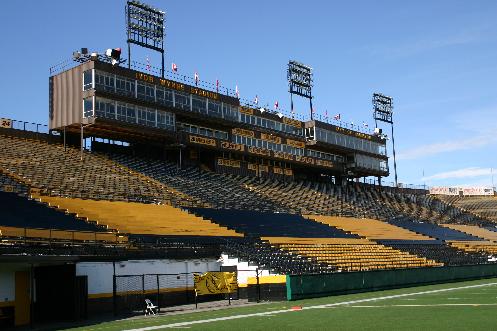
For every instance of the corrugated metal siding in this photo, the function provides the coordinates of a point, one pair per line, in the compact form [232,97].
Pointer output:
[67,97]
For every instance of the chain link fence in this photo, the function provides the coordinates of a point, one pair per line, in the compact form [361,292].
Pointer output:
[164,290]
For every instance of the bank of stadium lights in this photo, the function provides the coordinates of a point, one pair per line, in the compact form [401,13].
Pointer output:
[145,28]
[383,112]
[112,55]
[300,82]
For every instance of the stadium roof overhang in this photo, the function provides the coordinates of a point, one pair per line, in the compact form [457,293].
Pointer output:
[122,131]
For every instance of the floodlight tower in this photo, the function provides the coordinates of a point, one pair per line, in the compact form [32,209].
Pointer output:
[383,112]
[300,82]
[145,28]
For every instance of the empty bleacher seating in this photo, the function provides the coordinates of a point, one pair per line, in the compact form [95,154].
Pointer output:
[262,224]
[438,250]
[369,228]
[139,218]
[219,191]
[353,254]
[22,212]
[488,247]
[473,231]
[432,230]
[485,206]
[59,171]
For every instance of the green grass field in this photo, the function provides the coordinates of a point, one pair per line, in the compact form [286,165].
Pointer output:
[455,306]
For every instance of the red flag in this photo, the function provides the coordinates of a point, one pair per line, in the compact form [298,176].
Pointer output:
[174,67]
[276,104]
[337,117]
[148,64]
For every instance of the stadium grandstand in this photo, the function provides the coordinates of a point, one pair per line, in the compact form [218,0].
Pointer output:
[143,181]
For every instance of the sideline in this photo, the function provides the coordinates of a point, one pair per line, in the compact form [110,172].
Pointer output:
[226,318]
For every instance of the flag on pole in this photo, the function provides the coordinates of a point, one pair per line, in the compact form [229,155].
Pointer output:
[256,100]
[337,117]
[326,113]
[276,104]
[148,64]
[217,85]
[174,67]
[237,92]
[196,78]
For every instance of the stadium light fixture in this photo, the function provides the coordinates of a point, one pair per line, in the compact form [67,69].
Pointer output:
[383,112]
[114,54]
[300,82]
[145,28]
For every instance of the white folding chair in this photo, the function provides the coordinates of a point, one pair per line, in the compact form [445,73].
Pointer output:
[149,310]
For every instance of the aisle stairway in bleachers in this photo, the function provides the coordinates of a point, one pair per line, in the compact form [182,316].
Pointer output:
[262,254]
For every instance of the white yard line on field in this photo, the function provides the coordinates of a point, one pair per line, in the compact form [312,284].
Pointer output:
[328,305]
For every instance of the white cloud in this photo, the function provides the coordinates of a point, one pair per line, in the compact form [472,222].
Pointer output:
[447,146]
[460,173]
[430,42]
[477,130]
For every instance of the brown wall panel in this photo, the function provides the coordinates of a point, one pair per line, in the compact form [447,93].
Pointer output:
[67,97]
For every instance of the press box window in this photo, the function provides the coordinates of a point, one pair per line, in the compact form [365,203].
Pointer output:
[88,107]
[87,80]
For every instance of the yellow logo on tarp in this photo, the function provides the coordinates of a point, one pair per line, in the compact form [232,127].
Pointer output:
[215,283]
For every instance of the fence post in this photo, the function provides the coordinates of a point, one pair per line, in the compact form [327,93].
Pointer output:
[258,285]
[114,298]
[158,294]
[143,294]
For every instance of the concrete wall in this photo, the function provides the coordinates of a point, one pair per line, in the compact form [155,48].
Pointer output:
[100,274]
[244,270]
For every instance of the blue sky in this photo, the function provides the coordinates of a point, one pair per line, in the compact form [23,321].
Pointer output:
[438,59]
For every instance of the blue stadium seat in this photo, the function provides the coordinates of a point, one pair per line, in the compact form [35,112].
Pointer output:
[25,213]
[264,224]
[432,230]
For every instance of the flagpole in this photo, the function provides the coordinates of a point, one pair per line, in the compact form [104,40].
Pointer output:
[394,160]
[312,113]
[291,104]
[492,173]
